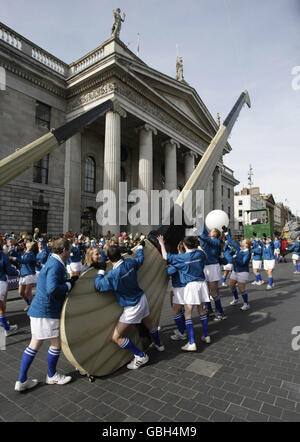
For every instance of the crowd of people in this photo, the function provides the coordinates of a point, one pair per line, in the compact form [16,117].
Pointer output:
[53,265]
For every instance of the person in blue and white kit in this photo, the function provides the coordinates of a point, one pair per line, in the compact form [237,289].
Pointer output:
[27,272]
[257,252]
[211,244]
[177,299]
[295,248]
[269,259]
[74,264]
[44,312]
[277,247]
[240,275]
[191,270]
[6,269]
[122,280]
[229,266]
[42,256]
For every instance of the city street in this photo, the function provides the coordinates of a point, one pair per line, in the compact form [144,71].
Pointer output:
[249,372]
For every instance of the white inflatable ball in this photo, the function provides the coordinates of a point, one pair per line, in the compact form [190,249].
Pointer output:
[216,219]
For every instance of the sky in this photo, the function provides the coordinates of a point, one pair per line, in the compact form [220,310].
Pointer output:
[227,46]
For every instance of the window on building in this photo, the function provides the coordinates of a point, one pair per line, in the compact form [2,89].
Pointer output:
[240,202]
[228,212]
[40,170]
[240,225]
[90,175]
[39,219]
[42,114]
[228,193]
[123,175]
[222,189]
[240,213]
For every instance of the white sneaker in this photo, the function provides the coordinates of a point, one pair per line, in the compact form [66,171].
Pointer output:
[206,339]
[189,347]
[234,302]
[158,347]
[269,287]
[137,362]
[59,379]
[29,383]
[260,282]
[254,283]
[245,307]
[13,329]
[220,318]
[224,284]
[26,308]
[177,336]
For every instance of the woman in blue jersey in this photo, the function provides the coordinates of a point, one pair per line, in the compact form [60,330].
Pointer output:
[277,247]
[229,266]
[74,264]
[42,256]
[257,252]
[190,266]
[269,259]
[240,274]
[295,248]
[6,269]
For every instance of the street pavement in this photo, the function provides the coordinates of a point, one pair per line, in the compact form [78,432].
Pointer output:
[250,371]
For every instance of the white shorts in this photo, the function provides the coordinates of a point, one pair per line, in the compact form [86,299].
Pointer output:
[196,292]
[136,313]
[228,267]
[277,252]
[29,279]
[212,272]
[256,264]
[269,264]
[178,297]
[295,257]
[3,289]
[44,328]
[240,276]
[74,267]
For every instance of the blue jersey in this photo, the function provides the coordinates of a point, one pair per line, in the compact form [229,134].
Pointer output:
[227,252]
[175,277]
[295,248]
[75,255]
[190,265]
[241,259]
[6,269]
[28,263]
[211,246]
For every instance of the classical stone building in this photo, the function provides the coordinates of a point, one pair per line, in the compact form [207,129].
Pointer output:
[152,139]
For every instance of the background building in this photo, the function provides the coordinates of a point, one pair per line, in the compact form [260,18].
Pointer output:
[153,139]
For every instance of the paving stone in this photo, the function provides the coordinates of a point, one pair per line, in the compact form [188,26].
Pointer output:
[203,367]
[285,403]
[253,404]
[234,398]
[219,416]
[271,410]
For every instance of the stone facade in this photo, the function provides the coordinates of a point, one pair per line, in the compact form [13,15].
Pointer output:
[153,138]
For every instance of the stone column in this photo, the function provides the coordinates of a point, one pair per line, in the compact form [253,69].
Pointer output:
[171,164]
[189,164]
[112,163]
[217,189]
[72,210]
[146,166]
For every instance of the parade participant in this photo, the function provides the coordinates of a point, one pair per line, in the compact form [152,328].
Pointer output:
[229,266]
[44,313]
[27,272]
[74,264]
[277,247]
[295,248]
[240,274]
[257,252]
[6,269]
[191,270]
[177,299]
[283,252]
[92,259]
[42,256]
[101,250]
[211,244]
[269,259]
[122,280]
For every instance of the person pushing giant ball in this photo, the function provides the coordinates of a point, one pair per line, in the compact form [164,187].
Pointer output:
[216,219]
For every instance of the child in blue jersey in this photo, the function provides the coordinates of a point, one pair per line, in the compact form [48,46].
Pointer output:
[240,274]
[257,252]
[177,299]
[211,244]
[295,248]
[190,266]
[277,247]
[122,280]
[229,266]
[27,272]
[6,269]
[269,259]
[74,264]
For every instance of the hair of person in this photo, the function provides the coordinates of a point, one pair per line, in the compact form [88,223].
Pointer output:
[89,256]
[191,242]
[217,232]
[59,245]
[114,254]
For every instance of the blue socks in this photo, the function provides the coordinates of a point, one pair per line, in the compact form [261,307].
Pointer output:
[130,346]
[219,305]
[28,357]
[209,307]
[27,301]
[245,297]
[224,279]
[203,319]
[180,321]
[52,359]
[155,335]
[296,267]
[4,322]
[235,293]
[190,330]
[270,280]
